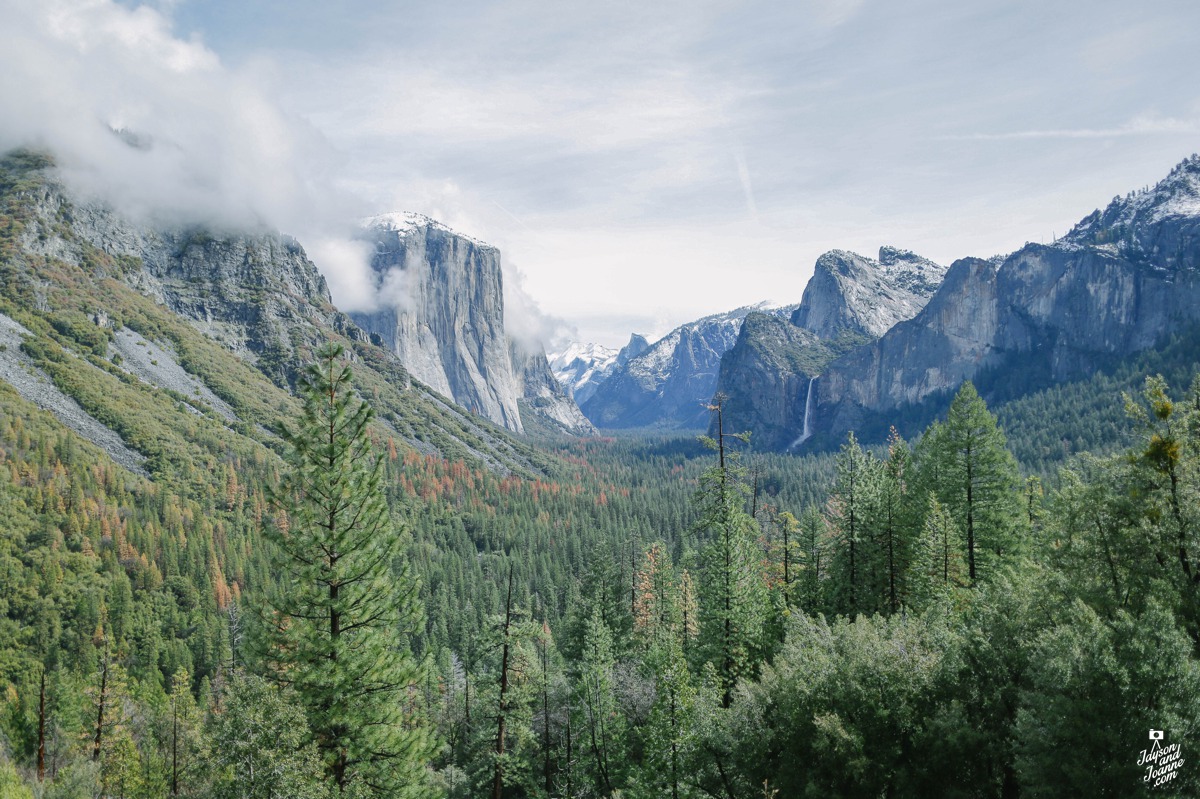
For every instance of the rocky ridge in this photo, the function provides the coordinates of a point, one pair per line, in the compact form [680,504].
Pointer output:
[1120,281]
[768,376]
[669,384]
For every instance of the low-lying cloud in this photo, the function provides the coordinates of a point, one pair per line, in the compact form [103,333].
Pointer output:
[157,126]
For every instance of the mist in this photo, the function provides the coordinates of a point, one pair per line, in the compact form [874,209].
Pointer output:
[157,127]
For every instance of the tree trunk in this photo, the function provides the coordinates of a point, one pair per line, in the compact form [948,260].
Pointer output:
[99,740]
[498,779]
[41,755]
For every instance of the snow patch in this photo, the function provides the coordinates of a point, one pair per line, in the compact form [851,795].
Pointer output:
[406,222]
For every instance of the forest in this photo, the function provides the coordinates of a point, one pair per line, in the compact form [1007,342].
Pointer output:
[642,617]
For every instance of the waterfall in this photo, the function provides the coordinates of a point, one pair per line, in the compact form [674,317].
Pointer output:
[806,432]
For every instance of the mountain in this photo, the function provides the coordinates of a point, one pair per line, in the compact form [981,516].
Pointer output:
[542,399]
[581,368]
[669,384]
[1121,281]
[441,311]
[767,377]
[168,345]
[851,293]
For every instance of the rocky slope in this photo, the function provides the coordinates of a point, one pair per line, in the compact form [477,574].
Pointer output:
[1120,281]
[849,301]
[670,384]
[441,312]
[147,326]
[542,397]
[852,293]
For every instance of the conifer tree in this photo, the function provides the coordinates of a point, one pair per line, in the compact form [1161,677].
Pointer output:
[976,479]
[852,563]
[337,618]
[893,524]
[733,594]
[813,564]
[657,615]
[937,565]
[603,725]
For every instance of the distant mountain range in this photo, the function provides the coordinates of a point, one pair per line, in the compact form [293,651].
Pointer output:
[669,384]
[871,337]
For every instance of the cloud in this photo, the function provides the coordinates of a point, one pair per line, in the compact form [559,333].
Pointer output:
[524,320]
[1139,126]
[196,141]
[353,287]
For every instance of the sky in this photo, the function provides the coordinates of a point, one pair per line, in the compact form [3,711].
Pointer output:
[638,164]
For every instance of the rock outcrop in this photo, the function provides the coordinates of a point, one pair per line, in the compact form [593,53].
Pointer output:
[1117,284]
[766,379]
[851,293]
[851,300]
[442,313]
[670,384]
[543,396]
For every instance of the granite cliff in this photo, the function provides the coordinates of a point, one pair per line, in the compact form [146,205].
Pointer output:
[768,376]
[441,311]
[1119,282]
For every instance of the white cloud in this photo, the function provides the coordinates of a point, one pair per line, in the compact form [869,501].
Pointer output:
[212,145]
[1139,126]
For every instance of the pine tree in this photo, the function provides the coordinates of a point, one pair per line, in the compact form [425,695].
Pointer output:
[893,525]
[853,561]
[937,561]
[337,617]
[968,465]
[603,725]
[733,594]
[813,565]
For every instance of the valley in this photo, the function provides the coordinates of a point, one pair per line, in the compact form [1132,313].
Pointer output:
[965,510]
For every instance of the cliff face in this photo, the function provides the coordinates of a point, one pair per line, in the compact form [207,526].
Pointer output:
[255,293]
[150,300]
[542,395]
[850,300]
[851,293]
[766,378]
[671,382]
[443,313]
[1121,280]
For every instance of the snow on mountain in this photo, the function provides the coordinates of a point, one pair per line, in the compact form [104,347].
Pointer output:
[580,364]
[405,222]
[670,384]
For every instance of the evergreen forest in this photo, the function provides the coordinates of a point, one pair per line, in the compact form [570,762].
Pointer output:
[645,618]
[296,601]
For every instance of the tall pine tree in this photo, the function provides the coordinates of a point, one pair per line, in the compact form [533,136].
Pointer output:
[337,617]
[968,466]
[733,594]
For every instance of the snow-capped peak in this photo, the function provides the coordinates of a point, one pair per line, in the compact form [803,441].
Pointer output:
[1176,195]
[405,222]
